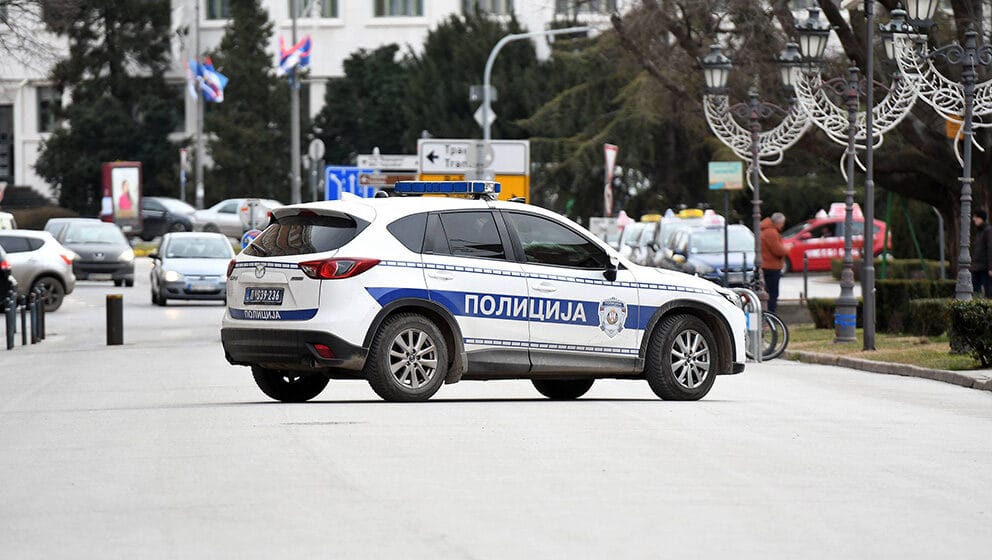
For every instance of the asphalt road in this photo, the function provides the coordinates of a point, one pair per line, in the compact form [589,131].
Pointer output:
[160,449]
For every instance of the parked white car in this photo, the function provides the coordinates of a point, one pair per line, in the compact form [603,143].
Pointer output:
[225,217]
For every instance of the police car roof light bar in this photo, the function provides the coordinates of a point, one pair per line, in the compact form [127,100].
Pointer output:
[477,188]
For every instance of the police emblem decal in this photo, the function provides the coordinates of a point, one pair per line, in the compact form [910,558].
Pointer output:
[259,270]
[612,316]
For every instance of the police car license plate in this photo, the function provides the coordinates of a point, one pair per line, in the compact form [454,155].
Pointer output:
[263,296]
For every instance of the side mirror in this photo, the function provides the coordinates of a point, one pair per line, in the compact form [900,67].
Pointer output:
[678,258]
[805,235]
[153,256]
[611,269]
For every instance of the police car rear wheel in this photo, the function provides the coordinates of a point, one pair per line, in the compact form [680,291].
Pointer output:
[287,386]
[408,360]
[681,359]
[562,389]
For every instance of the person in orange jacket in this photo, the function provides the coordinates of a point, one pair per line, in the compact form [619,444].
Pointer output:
[773,253]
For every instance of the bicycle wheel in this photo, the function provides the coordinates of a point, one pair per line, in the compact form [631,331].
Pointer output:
[781,340]
[769,338]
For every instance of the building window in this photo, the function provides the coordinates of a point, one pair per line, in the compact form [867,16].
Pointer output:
[384,8]
[305,8]
[180,93]
[575,7]
[218,9]
[49,101]
[492,7]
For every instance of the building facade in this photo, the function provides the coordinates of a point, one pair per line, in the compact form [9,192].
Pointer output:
[338,28]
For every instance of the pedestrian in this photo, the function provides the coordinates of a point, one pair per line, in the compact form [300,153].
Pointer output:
[981,259]
[773,253]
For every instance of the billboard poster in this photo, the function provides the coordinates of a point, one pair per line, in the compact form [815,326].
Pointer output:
[121,202]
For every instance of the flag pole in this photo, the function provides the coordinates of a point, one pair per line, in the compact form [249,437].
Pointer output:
[294,117]
[199,108]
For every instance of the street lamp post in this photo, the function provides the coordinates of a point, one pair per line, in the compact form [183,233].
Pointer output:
[848,129]
[751,144]
[951,99]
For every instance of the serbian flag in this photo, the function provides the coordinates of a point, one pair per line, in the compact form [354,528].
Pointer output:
[297,55]
[212,82]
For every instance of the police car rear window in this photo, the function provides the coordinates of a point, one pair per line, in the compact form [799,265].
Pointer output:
[301,235]
[409,230]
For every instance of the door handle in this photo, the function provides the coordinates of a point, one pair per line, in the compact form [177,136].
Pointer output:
[441,275]
[547,287]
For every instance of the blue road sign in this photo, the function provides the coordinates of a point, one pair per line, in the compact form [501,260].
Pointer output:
[249,236]
[341,179]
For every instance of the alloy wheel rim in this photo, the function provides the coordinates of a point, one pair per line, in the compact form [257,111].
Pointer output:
[690,359]
[413,358]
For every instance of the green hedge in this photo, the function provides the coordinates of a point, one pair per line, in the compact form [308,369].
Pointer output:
[36,218]
[971,328]
[892,299]
[928,317]
[895,269]
[822,312]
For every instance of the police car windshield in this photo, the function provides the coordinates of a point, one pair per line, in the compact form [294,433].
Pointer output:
[301,235]
[740,239]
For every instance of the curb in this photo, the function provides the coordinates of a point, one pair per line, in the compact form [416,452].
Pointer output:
[973,380]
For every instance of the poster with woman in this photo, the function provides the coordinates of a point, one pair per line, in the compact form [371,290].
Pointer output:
[122,195]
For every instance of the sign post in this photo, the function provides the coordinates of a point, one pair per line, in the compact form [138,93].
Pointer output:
[727,176]
[610,153]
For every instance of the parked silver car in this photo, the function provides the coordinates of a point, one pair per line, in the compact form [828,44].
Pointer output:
[37,260]
[190,266]
[225,217]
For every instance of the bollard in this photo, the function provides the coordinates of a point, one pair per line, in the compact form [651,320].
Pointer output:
[10,318]
[41,318]
[33,310]
[115,319]
[806,275]
[23,302]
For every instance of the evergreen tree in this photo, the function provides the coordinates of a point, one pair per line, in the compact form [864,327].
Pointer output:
[453,59]
[121,107]
[364,108]
[249,130]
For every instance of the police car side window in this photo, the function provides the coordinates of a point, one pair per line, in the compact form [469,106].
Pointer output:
[409,230]
[472,234]
[547,242]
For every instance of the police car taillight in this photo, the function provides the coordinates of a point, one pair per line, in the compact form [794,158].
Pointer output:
[335,269]
[230,268]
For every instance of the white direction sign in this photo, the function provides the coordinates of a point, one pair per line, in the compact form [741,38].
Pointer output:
[440,156]
[393,162]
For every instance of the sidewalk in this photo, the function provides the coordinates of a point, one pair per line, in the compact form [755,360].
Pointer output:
[819,284]
[980,379]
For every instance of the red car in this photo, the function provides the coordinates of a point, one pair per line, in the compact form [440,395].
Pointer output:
[822,239]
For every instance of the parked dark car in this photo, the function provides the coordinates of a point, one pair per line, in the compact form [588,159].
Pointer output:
[699,251]
[103,251]
[161,215]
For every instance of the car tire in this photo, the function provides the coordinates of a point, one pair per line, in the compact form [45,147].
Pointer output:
[671,372]
[211,228]
[177,227]
[53,292]
[408,360]
[159,298]
[289,386]
[119,282]
[129,282]
[562,389]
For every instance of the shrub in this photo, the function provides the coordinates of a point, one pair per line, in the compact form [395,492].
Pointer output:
[971,328]
[892,300]
[822,312]
[927,317]
[895,269]
[36,218]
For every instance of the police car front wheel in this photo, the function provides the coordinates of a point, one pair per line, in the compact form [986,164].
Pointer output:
[288,386]
[408,360]
[562,389]
[682,359]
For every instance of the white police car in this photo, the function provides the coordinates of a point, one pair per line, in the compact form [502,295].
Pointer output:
[412,292]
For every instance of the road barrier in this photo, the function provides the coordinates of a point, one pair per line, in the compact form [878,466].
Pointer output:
[32,308]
